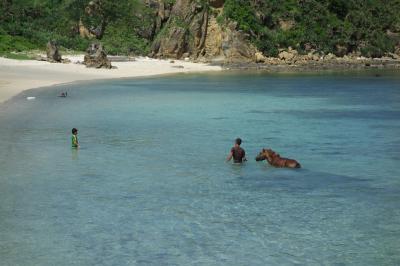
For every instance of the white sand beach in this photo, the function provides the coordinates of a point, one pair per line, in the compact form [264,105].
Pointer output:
[19,75]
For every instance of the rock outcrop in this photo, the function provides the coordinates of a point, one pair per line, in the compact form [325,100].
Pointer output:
[236,47]
[397,50]
[260,58]
[96,57]
[184,32]
[286,55]
[217,3]
[160,12]
[83,31]
[53,55]
[214,39]
[191,30]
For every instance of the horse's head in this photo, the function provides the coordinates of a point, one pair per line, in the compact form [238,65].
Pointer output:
[266,154]
[263,155]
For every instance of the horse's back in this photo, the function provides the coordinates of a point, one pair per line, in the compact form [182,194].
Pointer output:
[292,163]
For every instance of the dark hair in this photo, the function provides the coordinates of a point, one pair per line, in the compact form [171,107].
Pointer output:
[238,141]
[74,130]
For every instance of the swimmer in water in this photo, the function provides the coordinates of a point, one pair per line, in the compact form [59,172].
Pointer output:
[237,153]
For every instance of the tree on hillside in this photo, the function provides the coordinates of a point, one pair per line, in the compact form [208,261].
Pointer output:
[96,15]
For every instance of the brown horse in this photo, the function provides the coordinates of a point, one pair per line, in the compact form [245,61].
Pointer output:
[276,160]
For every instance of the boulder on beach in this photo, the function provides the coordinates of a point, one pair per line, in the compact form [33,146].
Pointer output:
[259,57]
[53,55]
[329,56]
[96,57]
[285,55]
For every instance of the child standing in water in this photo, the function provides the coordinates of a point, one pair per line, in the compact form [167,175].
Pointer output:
[74,138]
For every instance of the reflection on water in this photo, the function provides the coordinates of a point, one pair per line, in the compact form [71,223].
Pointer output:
[150,187]
[74,153]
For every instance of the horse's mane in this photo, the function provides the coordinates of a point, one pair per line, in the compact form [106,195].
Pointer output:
[273,154]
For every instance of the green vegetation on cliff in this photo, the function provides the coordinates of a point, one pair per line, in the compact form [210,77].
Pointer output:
[32,23]
[337,26]
[26,24]
[131,26]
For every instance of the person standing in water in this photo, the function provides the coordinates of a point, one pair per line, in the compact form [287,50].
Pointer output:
[237,153]
[74,138]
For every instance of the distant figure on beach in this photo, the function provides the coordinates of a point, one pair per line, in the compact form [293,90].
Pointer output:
[63,94]
[237,153]
[74,138]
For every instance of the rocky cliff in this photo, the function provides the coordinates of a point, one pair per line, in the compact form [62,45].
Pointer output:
[190,29]
[230,31]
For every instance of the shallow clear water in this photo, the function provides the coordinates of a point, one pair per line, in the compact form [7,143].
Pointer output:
[150,187]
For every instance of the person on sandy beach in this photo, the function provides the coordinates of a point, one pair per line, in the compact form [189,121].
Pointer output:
[237,153]
[74,138]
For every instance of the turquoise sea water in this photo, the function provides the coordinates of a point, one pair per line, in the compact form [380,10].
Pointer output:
[150,186]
